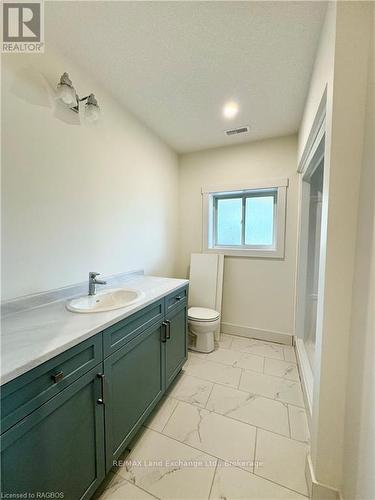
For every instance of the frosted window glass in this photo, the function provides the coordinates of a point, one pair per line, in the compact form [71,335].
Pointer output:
[229,217]
[259,220]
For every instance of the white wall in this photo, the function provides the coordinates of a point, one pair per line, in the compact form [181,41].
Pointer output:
[322,76]
[341,67]
[75,197]
[359,451]
[257,293]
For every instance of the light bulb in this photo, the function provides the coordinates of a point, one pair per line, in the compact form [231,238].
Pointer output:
[66,95]
[92,113]
[230,109]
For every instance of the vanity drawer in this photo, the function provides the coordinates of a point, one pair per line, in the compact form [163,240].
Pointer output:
[177,298]
[23,395]
[123,332]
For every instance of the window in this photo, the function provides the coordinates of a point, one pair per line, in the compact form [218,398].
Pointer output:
[245,222]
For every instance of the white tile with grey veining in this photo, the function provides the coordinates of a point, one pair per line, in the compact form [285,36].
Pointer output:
[224,356]
[289,354]
[169,469]
[250,408]
[196,354]
[277,388]
[120,489]
[298,424]
[191,389]
[233,358]
[282,460]
[159,417]
[279,368]
[251,362]
[231,483]
[225,341]
[214,372]
[252,346]
[215,434]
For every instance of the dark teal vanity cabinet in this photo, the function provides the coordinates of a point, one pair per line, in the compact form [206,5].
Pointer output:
[65,422]
[135,383]
[175,350]
[59,447]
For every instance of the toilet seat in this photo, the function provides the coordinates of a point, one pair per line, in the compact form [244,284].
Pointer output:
[202,314]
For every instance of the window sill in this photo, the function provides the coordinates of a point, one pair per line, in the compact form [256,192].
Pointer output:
[260,254]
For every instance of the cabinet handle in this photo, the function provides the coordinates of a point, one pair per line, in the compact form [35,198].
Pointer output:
[56,377]
[178,298]
[168,336]
[164,331]
[102,399]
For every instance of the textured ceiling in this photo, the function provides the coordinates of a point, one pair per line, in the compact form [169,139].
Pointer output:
[174,64]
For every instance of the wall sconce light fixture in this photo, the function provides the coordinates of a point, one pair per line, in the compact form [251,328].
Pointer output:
[67,94]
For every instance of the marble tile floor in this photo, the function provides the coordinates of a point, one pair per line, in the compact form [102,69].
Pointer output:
[232,426]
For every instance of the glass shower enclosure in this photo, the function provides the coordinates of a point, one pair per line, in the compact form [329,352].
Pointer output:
[313,258]
[310,256]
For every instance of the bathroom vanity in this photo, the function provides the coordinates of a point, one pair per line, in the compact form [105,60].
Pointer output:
[66,421]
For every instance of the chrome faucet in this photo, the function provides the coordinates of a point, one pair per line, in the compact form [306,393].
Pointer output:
[93,282]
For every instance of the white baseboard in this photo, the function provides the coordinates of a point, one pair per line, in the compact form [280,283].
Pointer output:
[257,333]
[317,490]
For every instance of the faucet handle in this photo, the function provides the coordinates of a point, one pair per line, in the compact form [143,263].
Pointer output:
[93,274]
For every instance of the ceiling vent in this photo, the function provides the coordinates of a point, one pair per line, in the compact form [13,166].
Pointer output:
[236,131]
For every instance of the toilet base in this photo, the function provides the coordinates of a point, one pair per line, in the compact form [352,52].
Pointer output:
[203,342]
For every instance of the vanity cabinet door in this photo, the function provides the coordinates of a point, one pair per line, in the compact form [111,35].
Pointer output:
[176,343]
[59,448]
[134,383]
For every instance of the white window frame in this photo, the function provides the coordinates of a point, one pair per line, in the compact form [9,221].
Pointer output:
[211,193]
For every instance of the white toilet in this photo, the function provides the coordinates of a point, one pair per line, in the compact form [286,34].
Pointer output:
[205,291]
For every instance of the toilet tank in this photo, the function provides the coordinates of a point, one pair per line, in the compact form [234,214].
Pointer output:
[206,280]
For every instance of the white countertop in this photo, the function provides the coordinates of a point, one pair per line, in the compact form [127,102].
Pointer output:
[33,336]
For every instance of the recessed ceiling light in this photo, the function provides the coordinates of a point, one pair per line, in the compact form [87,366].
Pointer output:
[230,109]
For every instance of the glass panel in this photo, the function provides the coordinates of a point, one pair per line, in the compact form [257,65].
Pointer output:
[229,217]
[313,259]
[259,220]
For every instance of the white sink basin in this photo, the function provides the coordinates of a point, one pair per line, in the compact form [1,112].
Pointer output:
[106,300]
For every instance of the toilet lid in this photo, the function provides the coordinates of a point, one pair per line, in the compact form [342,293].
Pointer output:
[202,314]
